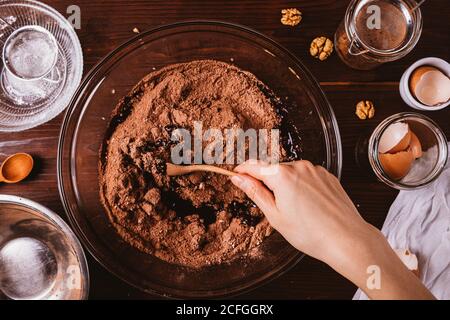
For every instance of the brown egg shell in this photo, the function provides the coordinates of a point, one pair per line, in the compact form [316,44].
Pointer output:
[397,165]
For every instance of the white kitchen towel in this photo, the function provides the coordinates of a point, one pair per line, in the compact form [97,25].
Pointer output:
[420,221]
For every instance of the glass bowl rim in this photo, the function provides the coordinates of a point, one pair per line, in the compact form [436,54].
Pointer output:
[98,256]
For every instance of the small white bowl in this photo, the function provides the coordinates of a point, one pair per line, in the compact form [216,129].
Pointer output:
[405,92]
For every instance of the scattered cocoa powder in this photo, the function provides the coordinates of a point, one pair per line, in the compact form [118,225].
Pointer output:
[195,220]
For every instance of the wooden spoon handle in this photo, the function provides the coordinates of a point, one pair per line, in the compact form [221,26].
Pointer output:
[214,169]
[176,170]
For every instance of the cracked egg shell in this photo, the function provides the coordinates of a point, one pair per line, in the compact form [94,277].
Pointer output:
[409,259]
[396,165]
[395,138]
[416,146]
[430,86]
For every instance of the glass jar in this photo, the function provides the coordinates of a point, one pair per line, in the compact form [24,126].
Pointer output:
[425,169]
[374,32]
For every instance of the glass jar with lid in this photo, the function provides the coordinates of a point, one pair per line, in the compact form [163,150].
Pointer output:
[374,32]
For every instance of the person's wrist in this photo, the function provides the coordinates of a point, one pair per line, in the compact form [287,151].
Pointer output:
[352,254]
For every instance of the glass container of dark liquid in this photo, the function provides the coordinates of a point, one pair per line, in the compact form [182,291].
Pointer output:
[374,32]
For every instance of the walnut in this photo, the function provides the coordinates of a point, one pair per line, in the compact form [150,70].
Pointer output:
[321,48]
[291,17]
[365,110]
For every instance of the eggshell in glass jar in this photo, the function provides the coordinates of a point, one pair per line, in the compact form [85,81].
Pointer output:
[397,165]
[416,146]
[395,138]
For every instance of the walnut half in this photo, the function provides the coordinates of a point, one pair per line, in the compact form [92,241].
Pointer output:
[291,17]
[321,48]
[365,110]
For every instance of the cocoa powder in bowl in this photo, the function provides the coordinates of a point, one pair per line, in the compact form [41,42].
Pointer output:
[195,220]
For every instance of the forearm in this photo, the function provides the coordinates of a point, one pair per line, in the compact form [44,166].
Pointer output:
[371,264]
[309,207]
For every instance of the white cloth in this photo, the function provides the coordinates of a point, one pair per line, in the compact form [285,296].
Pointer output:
[420,221]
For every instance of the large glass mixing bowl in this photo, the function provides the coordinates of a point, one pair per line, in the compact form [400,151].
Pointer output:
[86,123]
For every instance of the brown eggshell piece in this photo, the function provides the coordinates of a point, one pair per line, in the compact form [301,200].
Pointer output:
[417,75]
[402,145]
[416,146]
[397,165]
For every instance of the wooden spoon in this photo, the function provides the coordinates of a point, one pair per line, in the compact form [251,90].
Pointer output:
[178,170]
[16,168]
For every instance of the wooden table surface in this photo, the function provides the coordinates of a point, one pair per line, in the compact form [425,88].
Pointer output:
[107,24]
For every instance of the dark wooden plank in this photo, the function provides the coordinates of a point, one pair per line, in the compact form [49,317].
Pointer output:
[106,24]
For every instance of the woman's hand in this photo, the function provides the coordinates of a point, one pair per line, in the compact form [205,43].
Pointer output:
[309,207]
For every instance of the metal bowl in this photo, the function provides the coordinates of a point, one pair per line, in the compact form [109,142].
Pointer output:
[40,257]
